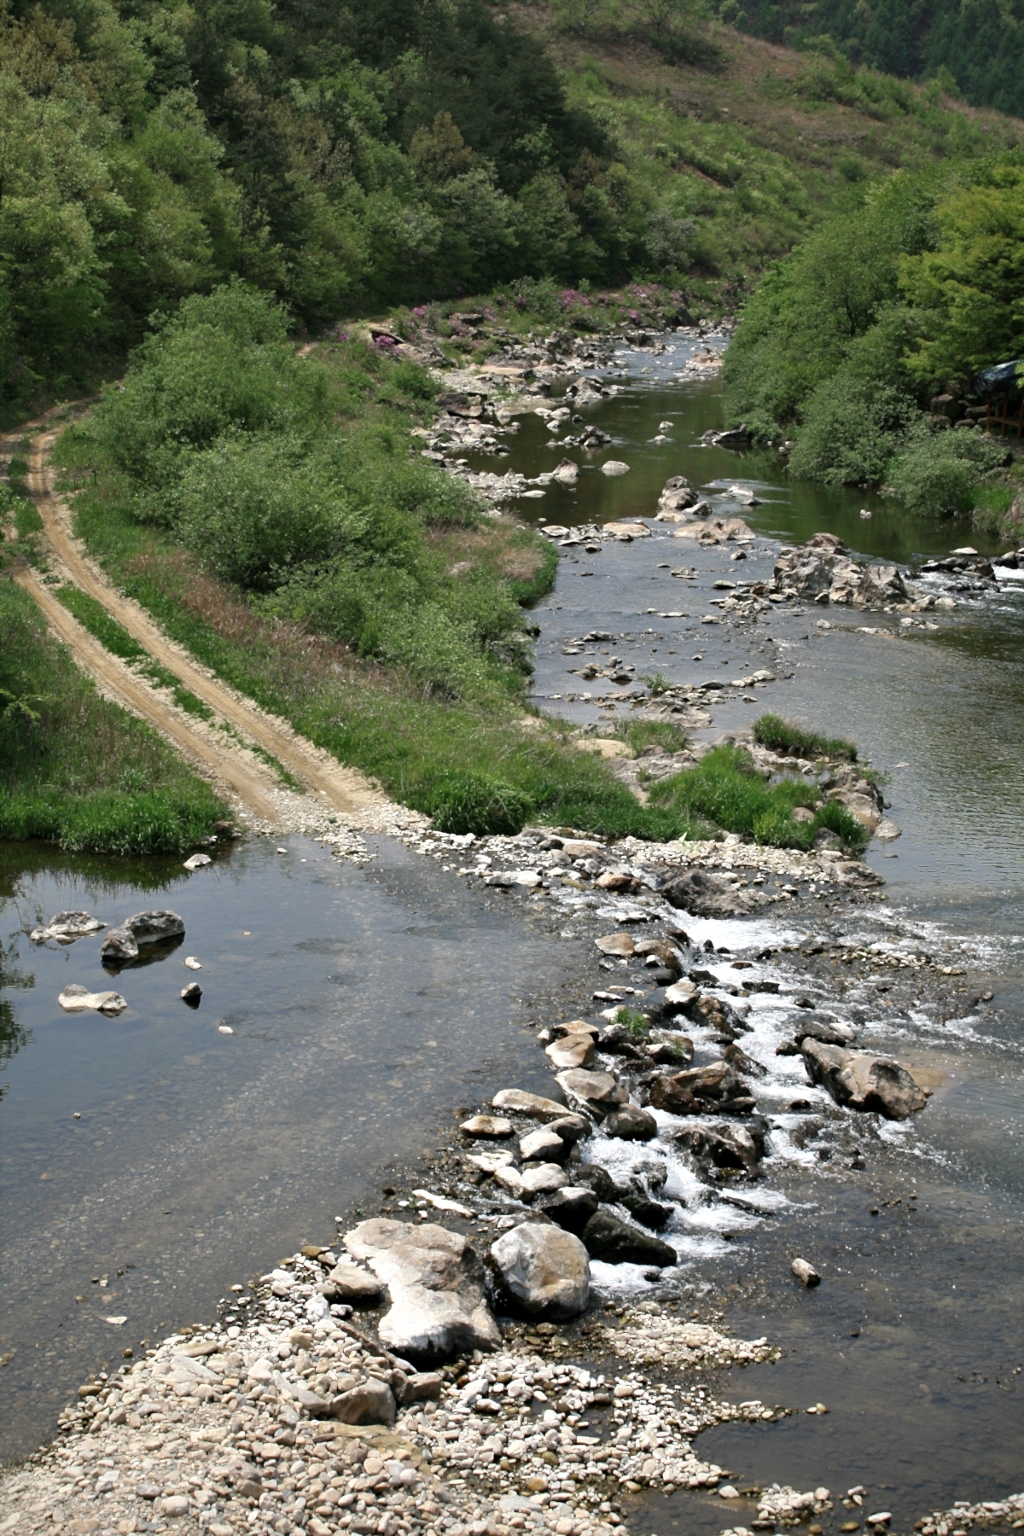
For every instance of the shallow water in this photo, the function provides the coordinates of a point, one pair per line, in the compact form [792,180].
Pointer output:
[368,1004]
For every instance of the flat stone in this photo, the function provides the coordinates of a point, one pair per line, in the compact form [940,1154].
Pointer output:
[571,1051]
[489,1126]
[435,1281]
[619,944]
[542,1178]
[531,1104]
[78,999]
[545,1269]
[349,1282]
[599,1091]
[543,1146]
[197,861]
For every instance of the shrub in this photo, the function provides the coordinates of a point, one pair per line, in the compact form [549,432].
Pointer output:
[936,473]
[471,802]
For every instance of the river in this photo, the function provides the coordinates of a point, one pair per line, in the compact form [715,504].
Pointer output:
[366,1004]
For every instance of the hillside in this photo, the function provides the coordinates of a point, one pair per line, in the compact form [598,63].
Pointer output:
[349,159]
[978,49]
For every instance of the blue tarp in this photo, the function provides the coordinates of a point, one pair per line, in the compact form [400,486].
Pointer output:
[1002,377]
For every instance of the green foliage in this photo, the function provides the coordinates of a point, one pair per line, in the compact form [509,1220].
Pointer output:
[967,289]
[908,291]
[785,736]
[936,474]
[115,638]
[468,802]
[976,49]
[726,789]
[633,1020]
[74,768]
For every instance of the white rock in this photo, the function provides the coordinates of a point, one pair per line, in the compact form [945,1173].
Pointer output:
[197,861]
[77,999]
[433,1276]
[614,467]
[546,1269]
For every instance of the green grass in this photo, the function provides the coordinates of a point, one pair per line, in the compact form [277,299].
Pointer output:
[638,734]
[76,769]
[726,789]
[92,615]
[784,736]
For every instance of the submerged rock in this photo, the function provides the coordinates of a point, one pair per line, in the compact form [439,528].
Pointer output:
[870,1083]
[726,1146]
[545,1269]
[435,1282]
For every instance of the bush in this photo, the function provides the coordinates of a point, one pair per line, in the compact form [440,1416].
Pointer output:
[936,474]
[469,802]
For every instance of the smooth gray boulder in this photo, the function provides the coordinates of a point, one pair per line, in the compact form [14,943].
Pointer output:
[545,1269]
[607,1237]
[435,1281]
[872,1084]
[630,1123]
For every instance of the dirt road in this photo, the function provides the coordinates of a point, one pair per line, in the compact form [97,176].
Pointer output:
[340,789]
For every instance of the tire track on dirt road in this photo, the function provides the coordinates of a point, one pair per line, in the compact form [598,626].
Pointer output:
[342,789]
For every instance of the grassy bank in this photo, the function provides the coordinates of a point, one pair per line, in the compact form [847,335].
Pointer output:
[76,769]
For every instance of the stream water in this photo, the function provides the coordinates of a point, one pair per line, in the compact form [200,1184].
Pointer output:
[148,1162]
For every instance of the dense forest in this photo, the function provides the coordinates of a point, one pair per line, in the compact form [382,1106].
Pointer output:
[974,46]
[863,348]
[351,157]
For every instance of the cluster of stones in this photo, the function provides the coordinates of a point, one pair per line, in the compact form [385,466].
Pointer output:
[965,1516]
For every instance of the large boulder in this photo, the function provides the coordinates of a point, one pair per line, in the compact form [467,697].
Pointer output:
[823,570]
[615,1241]
[371,1403]
[122,944]
[875,1084]
[530,1104]
[706,895]
[435,1281]
[544,1268]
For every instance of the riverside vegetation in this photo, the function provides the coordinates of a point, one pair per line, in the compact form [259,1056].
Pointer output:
[267,509]
[861,349]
